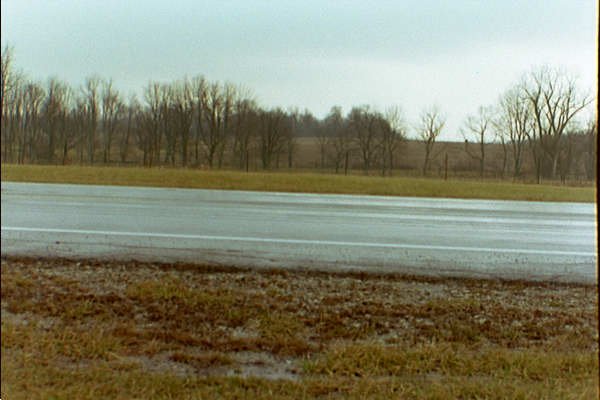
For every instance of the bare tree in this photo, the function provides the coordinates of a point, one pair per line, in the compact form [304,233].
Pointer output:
[290,139]
[393,133]
[79,120]
[183,109]
[12,124]
[112,109]
[34,95]
[56,111]
[578,154]
[504,144]
[68,132]
[167,122]
[132,111]
[513,125]
[566,155]
[200,95]
[7,83]
[429,128]
[149,137]
[323,140]
[212,127]
[91,95]
[590,154]
[554,100]
[229,98]
[340,139]
[477,127]
[537,154]
[366,125]
[244,124]
[273,130]
[11,99]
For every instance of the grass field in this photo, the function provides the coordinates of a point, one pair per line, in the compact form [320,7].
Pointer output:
[296,182]
[90,330]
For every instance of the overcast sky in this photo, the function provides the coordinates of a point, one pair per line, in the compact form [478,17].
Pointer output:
[311,54]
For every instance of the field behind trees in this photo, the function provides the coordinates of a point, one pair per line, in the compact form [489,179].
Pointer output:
[409,161]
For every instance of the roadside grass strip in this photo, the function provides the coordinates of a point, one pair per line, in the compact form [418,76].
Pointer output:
[297,182]
[91,329]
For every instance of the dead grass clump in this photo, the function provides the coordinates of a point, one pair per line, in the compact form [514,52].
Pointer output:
[282,334]
[374,359]
[330,326]
[175,303]
[56,297]
[73,342]
[202,360]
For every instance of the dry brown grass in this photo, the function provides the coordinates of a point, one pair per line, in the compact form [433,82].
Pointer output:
[75,329]
[297,182]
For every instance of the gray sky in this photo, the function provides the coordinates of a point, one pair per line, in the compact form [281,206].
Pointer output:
[313,53]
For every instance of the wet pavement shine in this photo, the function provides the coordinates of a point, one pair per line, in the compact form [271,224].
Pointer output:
[418,236]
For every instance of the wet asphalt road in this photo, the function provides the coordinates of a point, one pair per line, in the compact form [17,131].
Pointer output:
[441,237]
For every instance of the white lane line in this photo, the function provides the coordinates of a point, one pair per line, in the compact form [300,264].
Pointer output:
[299,241]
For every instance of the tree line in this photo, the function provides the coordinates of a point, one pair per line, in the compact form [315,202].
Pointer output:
[195,122]
[537,116]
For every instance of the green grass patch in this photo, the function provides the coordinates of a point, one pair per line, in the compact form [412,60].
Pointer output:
[296,182]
